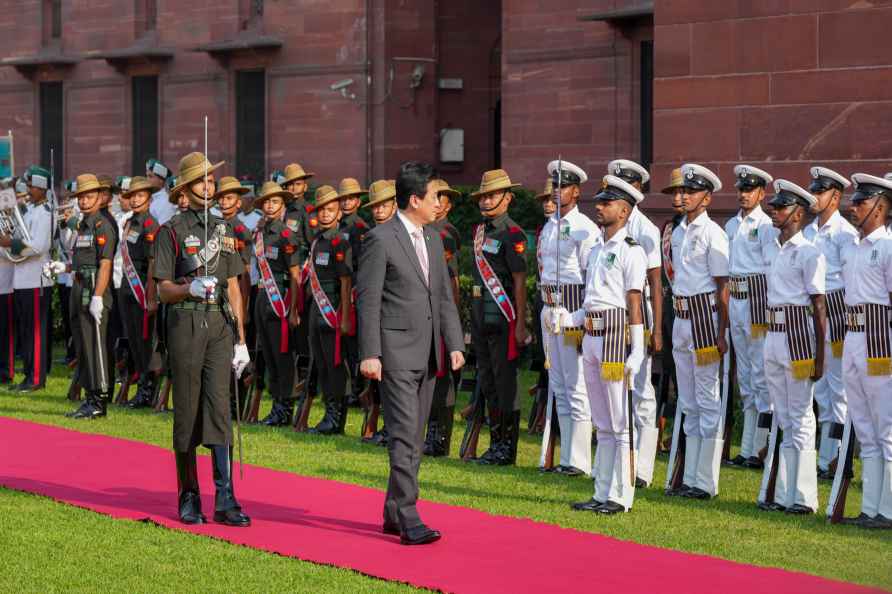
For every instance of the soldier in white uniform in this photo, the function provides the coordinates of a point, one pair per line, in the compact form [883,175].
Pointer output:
[7,322]
[831,233]
[751,238]
[32,291]
[572,244]
[794,353]
[161,208]
[613,295]
[647,235]
[700,257]
[866,364]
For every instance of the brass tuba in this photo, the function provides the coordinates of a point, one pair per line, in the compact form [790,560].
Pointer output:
[11,222]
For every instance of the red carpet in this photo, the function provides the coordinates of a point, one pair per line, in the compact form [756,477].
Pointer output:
[339,524]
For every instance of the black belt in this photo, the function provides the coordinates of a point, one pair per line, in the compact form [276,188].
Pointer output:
[211,305]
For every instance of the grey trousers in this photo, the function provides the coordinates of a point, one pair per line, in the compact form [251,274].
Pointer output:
[406,399]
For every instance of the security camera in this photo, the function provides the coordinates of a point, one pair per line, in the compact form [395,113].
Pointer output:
[342,84]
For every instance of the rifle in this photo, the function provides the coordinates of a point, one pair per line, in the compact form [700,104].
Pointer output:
[468,449]
[549,434]
[836,505]
[675,472]
[729,365]
[163,395]
[627,390]
[305,405]
[124,391]
[74,391]
[371,410]
[769,481]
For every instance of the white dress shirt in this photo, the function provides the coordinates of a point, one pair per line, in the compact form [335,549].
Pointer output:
[577,237]
[832,238]
[160,207]
[797,273]
[641,229]
[29,272]
[752,243]
[867,269]
[699,254]
[615,268]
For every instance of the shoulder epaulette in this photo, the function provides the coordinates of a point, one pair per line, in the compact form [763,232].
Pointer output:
[631,240]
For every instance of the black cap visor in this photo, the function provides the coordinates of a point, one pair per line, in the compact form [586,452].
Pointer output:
[610,193]
[697,182]
[784,199]
[568,178]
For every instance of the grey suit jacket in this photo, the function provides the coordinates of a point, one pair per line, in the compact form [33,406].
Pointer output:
[400,318]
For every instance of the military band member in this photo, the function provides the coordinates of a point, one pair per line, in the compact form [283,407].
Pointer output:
[91,295]
[572,244]
[350,195]
[831,234]
[867,367]
[161,208]
[794,349]
[198,280]
[646,234]
[330,267]
[7,321]
[278,255]
[139,297]
[438,440]
[614,288]
[751,238]
[32,291]
[700,260]
[498,313]
[382,204]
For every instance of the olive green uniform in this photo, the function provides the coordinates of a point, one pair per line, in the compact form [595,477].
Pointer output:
[282,251]
[97,240]
[199,335]
[504,247]
[438,440]
[355,228]
[331,257]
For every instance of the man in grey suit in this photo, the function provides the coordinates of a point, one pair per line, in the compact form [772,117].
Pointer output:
[407,323]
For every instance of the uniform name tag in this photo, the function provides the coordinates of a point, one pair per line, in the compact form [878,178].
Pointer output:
[272,252]
[84,241]
[492,246]
[322,259]
[292,224]
[565,232]
[132,236]
[192,242]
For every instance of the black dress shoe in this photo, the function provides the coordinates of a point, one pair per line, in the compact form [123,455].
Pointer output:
[590,505]
[737,460]
[569,471]
[825,475]
[696,493]
[773,506]
[389,528]
[190,509]
[678,492]
[609,508]
[640,483]
[879,522]
[862,520]
[419,535]
[754,462]
[24,388]
[800,510]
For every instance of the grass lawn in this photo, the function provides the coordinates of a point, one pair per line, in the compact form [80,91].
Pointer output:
[52,547]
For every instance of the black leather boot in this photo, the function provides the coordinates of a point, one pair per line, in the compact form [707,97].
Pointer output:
[432,438]
[330,421]
[490,456]
[226,508]
[145,391]
[507,455]
[446,421]
[94,406]
[188,495]
[276,416]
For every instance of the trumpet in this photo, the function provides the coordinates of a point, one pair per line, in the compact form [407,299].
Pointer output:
[11,223]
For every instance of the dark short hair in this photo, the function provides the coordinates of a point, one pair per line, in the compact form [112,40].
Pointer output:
[412,180]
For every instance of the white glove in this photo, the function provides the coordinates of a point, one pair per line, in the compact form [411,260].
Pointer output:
[240,359]
[636,357]
[203,287]
[54,268]
[96,308]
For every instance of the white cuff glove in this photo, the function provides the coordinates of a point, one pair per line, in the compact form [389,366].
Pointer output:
[203,287]
[558,317]
[96,308]
[636,357]
[573,320]
[54,268]
[240,359]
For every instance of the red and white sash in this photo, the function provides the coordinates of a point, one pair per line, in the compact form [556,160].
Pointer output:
[496,290]
[279,305]
[134,281]
[323,303]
